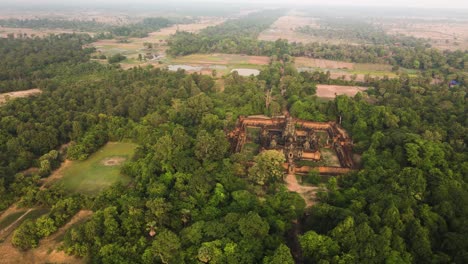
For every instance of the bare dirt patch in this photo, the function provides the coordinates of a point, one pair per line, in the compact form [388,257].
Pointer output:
[284,28]
[18,94]
[330,91]
[192,28]
[113,161]
[57,174]
[308,193]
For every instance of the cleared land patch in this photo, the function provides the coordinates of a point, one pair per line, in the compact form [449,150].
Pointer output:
[222,63]
[321,63]
[345,70]
[285,28]
[442,34]
[18,94]
[96,173]
[330,91]
[131,47]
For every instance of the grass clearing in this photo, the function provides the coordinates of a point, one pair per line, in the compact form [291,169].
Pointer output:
[99,171]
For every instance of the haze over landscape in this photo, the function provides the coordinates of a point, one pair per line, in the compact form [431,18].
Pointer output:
[260,131]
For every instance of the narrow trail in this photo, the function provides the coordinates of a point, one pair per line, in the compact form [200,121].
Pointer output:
[309,194]
[5,230]
[57,174]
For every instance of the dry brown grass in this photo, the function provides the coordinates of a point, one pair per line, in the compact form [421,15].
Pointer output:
[450,35]
[321,63]
[193,28]
[18,94]
[330,91]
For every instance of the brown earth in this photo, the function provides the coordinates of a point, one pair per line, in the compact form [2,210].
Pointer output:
[330,91]
[46,251]
[193,28]
[57,174]
[113,161]
[18,94]
[308,193]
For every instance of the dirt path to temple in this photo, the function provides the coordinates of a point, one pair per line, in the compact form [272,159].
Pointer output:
[308,193]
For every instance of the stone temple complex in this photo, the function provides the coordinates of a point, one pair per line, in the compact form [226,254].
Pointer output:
[323,146]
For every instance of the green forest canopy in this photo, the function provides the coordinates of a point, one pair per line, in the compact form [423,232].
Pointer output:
[202,203]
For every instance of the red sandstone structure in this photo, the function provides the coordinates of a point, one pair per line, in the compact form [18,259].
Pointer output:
[298,140]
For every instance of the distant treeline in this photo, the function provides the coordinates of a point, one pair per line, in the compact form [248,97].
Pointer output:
[139,29]
[233,36]
[418,57]
[45,23]
[356,30]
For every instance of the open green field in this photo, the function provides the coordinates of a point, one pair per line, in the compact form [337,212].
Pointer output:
[99,171]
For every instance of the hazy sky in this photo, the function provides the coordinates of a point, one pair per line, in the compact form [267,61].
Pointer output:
[407,3]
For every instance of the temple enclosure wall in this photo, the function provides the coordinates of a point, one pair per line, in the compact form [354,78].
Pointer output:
[300,141]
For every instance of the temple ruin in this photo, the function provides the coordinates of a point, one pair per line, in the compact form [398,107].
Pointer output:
[303,143]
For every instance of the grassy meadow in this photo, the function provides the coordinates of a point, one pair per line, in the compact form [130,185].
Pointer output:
[99,171]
